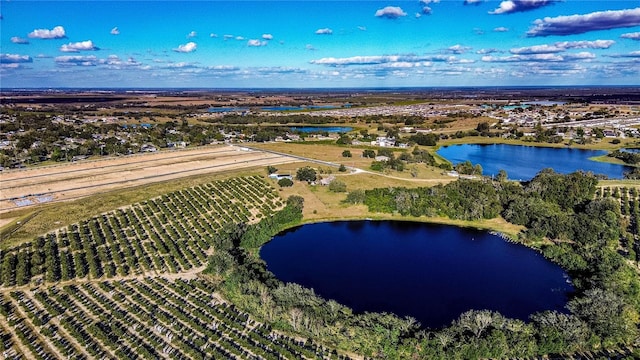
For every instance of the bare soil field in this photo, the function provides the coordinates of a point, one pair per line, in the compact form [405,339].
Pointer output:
[23,188]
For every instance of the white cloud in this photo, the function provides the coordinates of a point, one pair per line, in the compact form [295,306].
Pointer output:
[310,47]
[458,49]
[390,12]
[512,6]
[427,2]
[267,36]
[113,62]
[256,43]
[522,58]
[19,40]
[384,59]
[324,31]
[55,33]
[541,57]
[77,60]
[562,46]
[632,36]
[501,29]
[79,46]
[240,38]
[584,55]
[362,28]
[115,31]
[182,65]
[579,24]
[14,59]
[595,44]
[537,49]
[473,2]
[186,48]
[633,54]
[213,35]
[192,35]
[487,51]
[227,37]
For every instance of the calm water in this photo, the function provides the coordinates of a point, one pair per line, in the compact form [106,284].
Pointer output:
[431,272]
[303,107]
[226,109]
[524,162]
[320,129]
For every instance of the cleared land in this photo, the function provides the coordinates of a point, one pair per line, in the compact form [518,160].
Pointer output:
[24,188]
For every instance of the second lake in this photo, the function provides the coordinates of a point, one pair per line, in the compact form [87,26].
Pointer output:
[524,162]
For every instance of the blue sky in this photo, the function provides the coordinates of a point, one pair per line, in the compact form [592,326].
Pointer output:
[314,44]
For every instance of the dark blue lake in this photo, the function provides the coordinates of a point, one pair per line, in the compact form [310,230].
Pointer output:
[431,272]
[524,162]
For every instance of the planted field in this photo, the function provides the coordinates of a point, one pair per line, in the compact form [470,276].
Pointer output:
[124,284]
[629,200]
[23,188]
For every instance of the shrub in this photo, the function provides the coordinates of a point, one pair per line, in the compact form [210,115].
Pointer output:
[285,182]
[337,186]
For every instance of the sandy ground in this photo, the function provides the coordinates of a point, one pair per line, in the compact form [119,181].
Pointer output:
[20,188]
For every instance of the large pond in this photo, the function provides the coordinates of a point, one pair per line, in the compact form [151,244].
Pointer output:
[431,272]
[524,162]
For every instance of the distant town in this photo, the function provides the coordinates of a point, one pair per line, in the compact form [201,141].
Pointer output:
[45,127]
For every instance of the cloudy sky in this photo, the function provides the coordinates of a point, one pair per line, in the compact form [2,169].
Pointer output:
[313,44]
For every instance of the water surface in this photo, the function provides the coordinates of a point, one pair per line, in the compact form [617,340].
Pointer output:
[524,162]
[321,129]
[431,272]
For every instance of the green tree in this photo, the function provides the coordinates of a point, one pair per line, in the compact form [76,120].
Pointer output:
[344,140]
[502,175]
[307,174]
[355,197]
[337,186]
[346,153]
[483,127]
[285,182]
[609,316]
[368,153]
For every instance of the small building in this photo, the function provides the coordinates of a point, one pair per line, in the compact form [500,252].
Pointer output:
[326,181]
[277,177]
[384,142]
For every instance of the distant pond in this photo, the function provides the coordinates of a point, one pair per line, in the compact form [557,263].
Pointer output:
[524,162]
[430,272]
[321,129]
